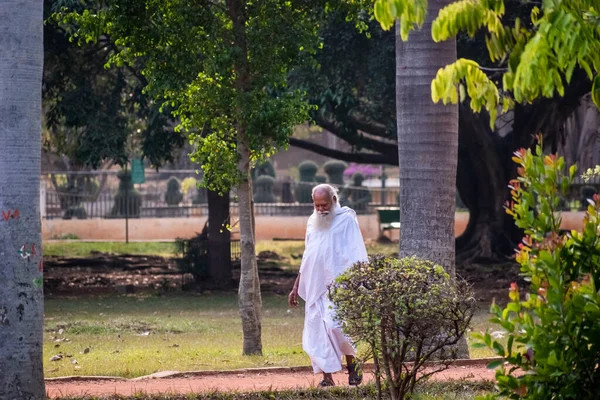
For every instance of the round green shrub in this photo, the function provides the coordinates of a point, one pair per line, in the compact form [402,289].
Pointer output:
[335,171]
[173,196]
[263,189]
[308,170]
[408,308]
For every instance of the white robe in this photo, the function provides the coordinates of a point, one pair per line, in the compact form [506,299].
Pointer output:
[328,253]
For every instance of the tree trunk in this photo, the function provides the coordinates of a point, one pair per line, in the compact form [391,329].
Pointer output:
[21,294]
[249,298]
[427,147]
[219,240]
[482,181]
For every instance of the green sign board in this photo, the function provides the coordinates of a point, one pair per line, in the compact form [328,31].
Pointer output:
[137,171]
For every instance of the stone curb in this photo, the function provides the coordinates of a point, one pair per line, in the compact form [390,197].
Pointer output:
[255,371]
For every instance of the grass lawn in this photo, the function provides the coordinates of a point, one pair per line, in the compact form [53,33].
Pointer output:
[130,336]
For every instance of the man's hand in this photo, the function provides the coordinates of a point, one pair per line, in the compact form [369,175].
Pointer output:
[293,297]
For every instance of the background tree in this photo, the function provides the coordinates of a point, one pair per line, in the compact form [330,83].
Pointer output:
[222,67]
[97,117]
[21,295]
[354,90]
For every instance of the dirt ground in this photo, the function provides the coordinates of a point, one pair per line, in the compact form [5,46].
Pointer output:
[105,273]
[231,381]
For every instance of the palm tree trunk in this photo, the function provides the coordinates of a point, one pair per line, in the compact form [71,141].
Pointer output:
[427,147]
[21,294]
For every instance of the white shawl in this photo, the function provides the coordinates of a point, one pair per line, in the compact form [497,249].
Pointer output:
[329,252]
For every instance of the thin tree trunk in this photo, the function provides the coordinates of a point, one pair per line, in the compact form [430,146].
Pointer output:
[219,240]
[21,294]
[249,297]
[427,147]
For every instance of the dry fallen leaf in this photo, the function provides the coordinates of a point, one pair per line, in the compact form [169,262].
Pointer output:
[74,361]
[86,350]
[56,357]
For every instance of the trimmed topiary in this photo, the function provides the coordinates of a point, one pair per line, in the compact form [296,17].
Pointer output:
[308,170]
[173,196]
[128,201]
[263,189]
[335,171]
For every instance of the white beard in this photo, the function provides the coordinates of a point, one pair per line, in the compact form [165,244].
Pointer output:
[324,219]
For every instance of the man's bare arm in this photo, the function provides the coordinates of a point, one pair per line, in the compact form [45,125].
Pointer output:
[293,296]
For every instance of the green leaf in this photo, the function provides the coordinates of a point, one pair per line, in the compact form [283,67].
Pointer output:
[495,364]
[596,91]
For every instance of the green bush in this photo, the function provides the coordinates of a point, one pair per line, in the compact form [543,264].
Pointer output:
[173,196]
[303,191]
[321,179]
[263,189]
[128,201]
[335,171]
[403,310]
[553,333]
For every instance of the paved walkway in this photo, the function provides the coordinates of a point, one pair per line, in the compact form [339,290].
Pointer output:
[171,382]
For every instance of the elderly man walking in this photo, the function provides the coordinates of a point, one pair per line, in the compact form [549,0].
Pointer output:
[333,243]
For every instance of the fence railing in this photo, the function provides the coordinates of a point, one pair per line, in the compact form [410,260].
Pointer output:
[101,195]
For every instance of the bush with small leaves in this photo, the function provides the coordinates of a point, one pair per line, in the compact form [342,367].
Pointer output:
[404,310]
[335,171]
[263,189]
[553,334]
[303,191]
[173,196]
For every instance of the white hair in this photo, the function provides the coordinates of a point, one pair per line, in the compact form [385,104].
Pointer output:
[325,187]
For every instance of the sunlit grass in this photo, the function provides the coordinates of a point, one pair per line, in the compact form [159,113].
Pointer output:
[130,336]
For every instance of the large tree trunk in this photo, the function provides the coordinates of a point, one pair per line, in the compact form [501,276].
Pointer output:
[427,147]
[21,294]
[219,240]
[482,179]
[249,297]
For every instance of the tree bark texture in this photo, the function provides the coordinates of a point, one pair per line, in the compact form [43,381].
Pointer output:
[219,240]
[249,297]
[427,147]
[21,294]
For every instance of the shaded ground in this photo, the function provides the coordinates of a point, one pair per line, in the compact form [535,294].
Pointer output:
[107,273]
[236,381]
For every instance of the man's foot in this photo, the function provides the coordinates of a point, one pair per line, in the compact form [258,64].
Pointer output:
[326,383]
[355,375]
[327,380]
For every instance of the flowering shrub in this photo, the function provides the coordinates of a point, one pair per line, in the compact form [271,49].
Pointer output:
[553,348]
[403,310]
[365,169]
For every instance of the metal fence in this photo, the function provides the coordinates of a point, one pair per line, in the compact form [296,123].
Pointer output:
[102,194]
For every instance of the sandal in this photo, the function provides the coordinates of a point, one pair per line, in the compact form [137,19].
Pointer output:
[326,383]
[355,375]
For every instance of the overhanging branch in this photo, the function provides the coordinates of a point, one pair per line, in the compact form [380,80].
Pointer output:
[360,158]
